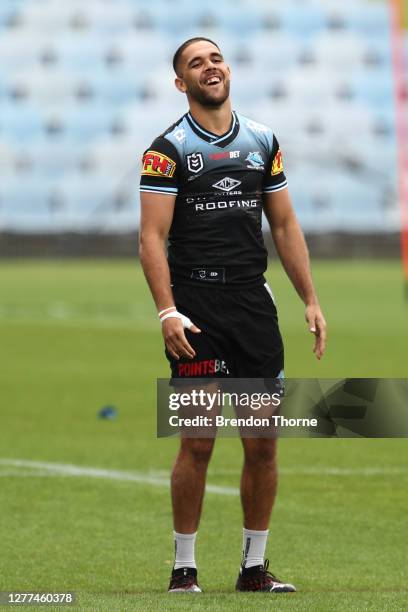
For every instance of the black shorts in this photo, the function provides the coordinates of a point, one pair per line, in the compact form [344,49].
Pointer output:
[239,337]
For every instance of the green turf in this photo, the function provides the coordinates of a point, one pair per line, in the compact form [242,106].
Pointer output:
[79,335]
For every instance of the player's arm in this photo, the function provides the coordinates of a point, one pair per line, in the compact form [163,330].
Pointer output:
[292,250]
[158,191]
[155,221]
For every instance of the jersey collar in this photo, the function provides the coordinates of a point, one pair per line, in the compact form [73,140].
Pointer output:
[215,139]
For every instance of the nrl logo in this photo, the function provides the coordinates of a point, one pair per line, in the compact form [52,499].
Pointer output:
[227,184]
[195,162]
[255,160]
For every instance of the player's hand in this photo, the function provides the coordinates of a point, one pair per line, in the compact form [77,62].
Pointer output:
[317,326]
[175,338]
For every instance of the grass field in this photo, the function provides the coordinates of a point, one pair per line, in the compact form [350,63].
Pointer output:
[76,336]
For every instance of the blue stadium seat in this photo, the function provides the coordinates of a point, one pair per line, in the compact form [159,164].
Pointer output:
[374,88]
[86,123]
[171,20]
[7,158]
[143,123]
[88,201]
[117,158]
[242,22]
[8,10]
[356,200]
[309,87]
[339,51]
[45,86]
[370,18]
[378,53]
[275,54]
[246,81]
[337,201]
[25,204]
[376,159]
[114,87]
[114,18]
[301,189]
[20,123]
[76,15]
[137,53]
[300,20]
[18,51]
[52,159]
[81,52]
[384,122]
[46,15]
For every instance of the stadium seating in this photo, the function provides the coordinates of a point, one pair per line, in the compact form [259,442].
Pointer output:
[20,123]
[25,205]
[86,86]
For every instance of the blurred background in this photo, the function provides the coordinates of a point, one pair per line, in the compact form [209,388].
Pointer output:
[86,86]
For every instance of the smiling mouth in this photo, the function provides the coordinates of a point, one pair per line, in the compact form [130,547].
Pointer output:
[212,80]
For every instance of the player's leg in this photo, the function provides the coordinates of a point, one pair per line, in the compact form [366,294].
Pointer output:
[187,494]
[188,482]
[259,355]
[259,482]
[190,467]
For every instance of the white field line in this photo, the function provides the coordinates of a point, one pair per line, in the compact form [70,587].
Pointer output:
[26,468]
[41,468]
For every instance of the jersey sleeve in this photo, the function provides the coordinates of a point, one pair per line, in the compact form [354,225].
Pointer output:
[160,168]
[275,179]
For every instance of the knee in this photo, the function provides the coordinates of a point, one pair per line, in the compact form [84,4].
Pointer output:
[260,451]
[199,450]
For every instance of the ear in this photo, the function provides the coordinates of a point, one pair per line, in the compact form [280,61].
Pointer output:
[179,83]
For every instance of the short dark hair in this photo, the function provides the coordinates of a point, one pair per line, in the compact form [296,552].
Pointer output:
[186,44]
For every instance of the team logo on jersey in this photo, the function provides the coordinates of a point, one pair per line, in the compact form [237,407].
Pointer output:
[227,184]
[277,165]
[157,164]
[255,160]
[195,162]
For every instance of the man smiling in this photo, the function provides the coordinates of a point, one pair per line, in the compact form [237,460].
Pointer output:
[204,185]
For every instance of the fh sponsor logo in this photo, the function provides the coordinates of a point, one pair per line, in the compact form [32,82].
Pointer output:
[157,164]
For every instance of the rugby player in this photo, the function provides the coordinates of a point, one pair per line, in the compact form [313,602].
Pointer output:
[205,182]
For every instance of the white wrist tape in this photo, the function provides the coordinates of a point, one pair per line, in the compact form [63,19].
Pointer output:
[162,312]
[187,323]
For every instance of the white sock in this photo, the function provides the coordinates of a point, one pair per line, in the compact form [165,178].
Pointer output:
[184,549]
[253,547]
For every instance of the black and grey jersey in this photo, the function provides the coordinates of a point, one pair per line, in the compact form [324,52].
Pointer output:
[219,182]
